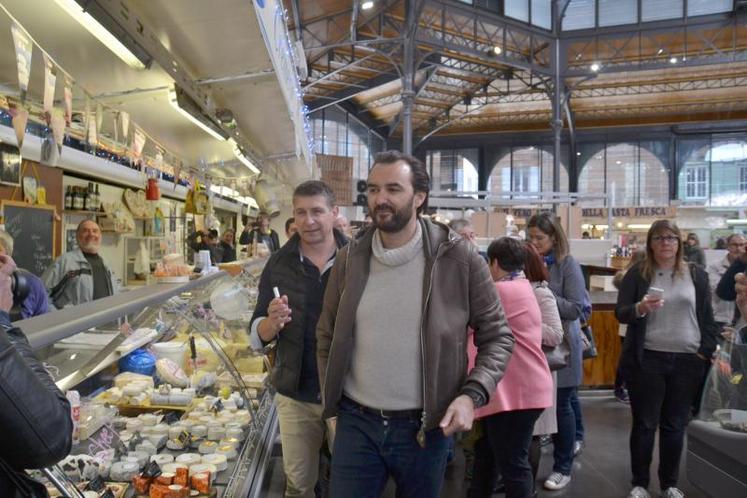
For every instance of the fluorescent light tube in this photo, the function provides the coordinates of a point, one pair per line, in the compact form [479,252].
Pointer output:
[175,104]
[244,160]
[101,33]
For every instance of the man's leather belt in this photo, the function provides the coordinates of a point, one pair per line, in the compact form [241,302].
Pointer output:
[413,414]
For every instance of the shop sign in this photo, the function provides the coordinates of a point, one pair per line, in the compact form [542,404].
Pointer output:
[631,212]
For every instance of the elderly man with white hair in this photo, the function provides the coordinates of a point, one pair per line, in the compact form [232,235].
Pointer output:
[80,275]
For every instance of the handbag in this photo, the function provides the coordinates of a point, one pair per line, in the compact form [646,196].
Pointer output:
[558,357]
[590,345]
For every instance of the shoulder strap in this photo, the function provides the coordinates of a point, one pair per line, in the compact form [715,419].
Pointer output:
[57,289]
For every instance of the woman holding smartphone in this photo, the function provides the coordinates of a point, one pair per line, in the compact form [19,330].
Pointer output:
[671,336]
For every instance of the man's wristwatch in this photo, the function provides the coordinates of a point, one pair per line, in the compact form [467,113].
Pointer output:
[477,399]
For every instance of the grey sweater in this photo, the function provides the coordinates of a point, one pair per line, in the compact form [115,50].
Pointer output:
[387,363]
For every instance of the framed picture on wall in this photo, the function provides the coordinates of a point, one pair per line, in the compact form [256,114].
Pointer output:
[10,165]
[71,240]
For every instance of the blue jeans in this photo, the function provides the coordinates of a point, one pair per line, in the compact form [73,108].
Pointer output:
[564,439]
[579,418]
[368,449]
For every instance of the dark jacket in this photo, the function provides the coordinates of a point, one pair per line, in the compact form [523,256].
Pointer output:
[694,254]
[632,290]
[285,271]
[726,288]
[271,239]
[458,292]
[35,425]
[229,252]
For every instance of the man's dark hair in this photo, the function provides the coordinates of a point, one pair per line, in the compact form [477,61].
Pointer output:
[213,233]
[510,253]
[421,181]
[312,188]
[288,223]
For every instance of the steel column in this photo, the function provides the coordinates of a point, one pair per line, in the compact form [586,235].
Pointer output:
[557,117]
[408,73]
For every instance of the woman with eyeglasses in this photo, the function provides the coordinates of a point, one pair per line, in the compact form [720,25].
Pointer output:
[567,284]
[671,336]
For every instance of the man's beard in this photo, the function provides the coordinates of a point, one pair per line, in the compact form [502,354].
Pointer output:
[398,220]
[91,247]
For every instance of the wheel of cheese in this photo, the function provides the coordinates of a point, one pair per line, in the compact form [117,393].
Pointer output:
[200,468]
[220,461]
[189,459]
[170,468]
[216,433]
[199,430]
[162,459]
[171,372]
[228,450]
[208,447]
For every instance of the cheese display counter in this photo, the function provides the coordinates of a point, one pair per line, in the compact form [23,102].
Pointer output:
[168,399]
[717,440]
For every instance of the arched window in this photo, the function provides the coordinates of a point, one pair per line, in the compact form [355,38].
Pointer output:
[715,174]
[526,169]
[453,170]
[630,175]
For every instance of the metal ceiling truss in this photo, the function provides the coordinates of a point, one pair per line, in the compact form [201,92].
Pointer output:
[372,21]
[663,108]
[682,44]
[644,88]
[463,30]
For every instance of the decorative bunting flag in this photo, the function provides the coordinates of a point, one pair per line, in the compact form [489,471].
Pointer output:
[138,143]
[158,163]
[50,80]
[99,116]
[68,101]
[58,127]
[177,173]
[24,48]
[124,118]
[20,117]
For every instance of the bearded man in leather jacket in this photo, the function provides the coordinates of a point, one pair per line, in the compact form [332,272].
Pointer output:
[35,425]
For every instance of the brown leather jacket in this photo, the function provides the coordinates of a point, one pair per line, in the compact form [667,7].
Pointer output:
[458,292]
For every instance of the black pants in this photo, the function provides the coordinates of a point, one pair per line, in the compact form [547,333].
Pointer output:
[662,391]
[505,442]
[619,380]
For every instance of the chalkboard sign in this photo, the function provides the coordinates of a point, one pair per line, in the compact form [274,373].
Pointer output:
[33,232]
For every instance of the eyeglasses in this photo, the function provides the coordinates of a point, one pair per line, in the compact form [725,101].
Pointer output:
[665,238]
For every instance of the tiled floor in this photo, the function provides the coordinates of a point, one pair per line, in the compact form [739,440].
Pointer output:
[601,471]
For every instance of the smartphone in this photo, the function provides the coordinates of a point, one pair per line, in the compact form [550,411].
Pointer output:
[655,292]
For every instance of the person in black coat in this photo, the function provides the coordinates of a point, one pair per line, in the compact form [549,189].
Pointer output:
[670,340]
[228,244]
[35,424]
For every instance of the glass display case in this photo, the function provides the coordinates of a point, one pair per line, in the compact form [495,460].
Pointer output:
[164,374]
[717,440]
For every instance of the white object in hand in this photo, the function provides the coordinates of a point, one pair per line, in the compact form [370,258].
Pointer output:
[655,292]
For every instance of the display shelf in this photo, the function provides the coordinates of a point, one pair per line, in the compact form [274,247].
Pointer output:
[154,307]
[82,213]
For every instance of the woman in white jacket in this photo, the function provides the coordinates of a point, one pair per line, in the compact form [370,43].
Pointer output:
[552,335]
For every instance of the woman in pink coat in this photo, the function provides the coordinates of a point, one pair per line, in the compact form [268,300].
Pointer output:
[525,390]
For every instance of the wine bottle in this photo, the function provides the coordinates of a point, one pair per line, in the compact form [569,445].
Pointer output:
[68,198]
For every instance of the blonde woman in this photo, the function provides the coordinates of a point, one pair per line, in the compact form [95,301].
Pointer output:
[671,336]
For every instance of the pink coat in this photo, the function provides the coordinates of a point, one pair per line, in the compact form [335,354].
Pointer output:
[527,383]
